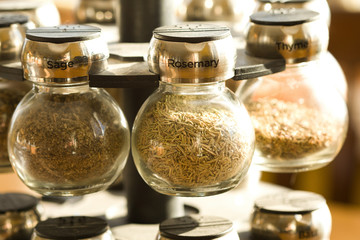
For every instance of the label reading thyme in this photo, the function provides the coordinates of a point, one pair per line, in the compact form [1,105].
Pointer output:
[299,45]
[193,145]
[286,130]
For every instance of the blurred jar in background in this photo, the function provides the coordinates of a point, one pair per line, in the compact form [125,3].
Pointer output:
[102,14]
[235,14]
[96,11]
[42,12]
[12,29]
[19,214]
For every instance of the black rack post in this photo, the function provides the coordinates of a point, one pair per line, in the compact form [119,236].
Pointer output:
[138,18]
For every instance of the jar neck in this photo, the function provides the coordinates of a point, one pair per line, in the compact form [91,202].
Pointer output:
[191,88]
[60,89]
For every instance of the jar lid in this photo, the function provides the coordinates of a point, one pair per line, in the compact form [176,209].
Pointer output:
[64,54]
[297,35]
[17,202]
[195,227]
[63,34]
[284,17]
[6,20]
[192,53]
[196,33]
[290,202]
[76,227]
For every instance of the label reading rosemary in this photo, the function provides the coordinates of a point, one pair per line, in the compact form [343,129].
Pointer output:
[200,64]
[287,130]
[191,145]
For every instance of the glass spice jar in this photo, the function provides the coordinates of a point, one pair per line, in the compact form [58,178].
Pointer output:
[73,228]
[12,27]
[300,119]
[291,215]
[66,138]
[192,136]
[19,214]
[197,227]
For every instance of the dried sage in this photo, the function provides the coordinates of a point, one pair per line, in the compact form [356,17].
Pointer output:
[68,139]
[9,99]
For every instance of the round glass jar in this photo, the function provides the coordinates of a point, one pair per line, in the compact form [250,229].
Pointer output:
[300,119]
[291,215]
[320,6]
[19,214]
[73,228]
[12,27]
[197,227]
[192,136]
[66,138]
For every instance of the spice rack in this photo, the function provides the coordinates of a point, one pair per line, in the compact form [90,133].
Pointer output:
[128,68]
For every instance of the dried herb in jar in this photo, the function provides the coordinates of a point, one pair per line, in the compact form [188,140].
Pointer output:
[191,145]
[68,139]
[9,99]
[287,130]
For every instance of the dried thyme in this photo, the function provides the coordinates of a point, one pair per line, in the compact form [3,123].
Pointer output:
[68,139]
[193,146]
[287,130]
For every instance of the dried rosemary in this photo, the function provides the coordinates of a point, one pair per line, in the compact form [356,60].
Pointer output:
[68,139]
[190,145]
[287,130]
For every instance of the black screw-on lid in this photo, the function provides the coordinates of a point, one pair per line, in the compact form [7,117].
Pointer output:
[65,228]
[284,17]
[284,1]
[6,20]
[290,202]
[63,34]
[191,33]
[17,202]
[195,227]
